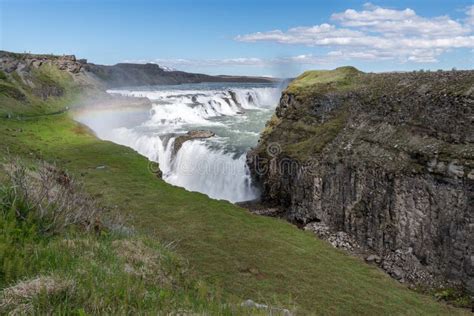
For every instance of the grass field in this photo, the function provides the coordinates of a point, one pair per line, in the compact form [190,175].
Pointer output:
[249,257]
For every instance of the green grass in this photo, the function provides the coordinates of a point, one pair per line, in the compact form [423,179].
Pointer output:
[10,91]
[103,273]
[303,138]
[321,135]
[319,81]
[265,259]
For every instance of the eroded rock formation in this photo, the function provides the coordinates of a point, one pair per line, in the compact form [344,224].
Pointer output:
[385,158]
[198,134]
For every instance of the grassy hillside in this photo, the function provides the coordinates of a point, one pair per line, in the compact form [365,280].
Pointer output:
[238,255]
[318,81]
[73,271]
[44,90]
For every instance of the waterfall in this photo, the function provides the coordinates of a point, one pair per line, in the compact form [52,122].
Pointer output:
[197,106]
[212,172]
[214,166]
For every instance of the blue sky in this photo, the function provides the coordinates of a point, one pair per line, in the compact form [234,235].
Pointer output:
[278,38]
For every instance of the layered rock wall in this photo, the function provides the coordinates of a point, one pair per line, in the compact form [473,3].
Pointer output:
[386,158]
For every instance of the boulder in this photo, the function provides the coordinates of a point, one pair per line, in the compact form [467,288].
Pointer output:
[373,258]
[197,134]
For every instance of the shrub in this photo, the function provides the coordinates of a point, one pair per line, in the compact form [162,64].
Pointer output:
[50,198]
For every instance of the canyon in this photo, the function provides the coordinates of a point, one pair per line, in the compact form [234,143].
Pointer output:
[386,159]
[381,161]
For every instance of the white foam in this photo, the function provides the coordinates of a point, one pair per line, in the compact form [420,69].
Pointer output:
[213,172]
[199,165]
[197,106]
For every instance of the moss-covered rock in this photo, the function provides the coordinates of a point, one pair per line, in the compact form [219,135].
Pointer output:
[39,84]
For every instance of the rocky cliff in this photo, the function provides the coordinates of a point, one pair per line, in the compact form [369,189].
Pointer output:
[33,84]
[386,158]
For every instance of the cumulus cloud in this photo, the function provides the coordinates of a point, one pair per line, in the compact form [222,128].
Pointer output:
[396,22]
[373,33]
[304,35]
[379,33]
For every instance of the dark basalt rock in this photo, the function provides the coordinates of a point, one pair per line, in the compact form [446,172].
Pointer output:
[386,158]
[198,134]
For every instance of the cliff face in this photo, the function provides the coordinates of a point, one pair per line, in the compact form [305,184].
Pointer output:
[33,84]
[386,158]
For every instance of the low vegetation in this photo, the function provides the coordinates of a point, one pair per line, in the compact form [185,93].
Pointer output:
[319,81]
[61,252]
[43,90]
[321,135]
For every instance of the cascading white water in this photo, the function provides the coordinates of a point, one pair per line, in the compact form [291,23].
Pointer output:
[197,106]
[212,172]
[214,166]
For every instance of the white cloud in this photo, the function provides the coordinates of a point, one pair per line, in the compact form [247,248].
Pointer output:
[241,61]
[470,15]
[313,35]
[407,22]
[184,62]
[373,15]
[373,33]
[379,33]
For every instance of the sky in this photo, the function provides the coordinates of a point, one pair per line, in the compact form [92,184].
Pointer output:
[270,38]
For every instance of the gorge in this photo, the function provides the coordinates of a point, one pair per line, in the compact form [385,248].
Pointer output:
[386,158]
[343,153]
[203,157]
[352,152]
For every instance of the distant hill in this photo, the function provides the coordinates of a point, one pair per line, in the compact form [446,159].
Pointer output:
[122,74]
[125,74]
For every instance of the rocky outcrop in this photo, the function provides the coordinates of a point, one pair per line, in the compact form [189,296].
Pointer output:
[386,158]
[198,134]
[43,76]
[10,62]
